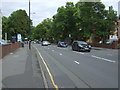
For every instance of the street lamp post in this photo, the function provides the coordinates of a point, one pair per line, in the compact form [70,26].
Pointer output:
[29,28]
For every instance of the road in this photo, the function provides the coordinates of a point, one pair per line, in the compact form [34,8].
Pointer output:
[71,69]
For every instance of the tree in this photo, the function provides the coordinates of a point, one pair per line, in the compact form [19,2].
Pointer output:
[95,20]
[82,20]
[17,22]
[64,22]
[43,30]
[4,26]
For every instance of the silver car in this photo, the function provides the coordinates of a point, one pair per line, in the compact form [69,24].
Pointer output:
[46,43]
[3,42]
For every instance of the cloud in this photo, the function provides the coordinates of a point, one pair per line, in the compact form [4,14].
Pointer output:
[9,7]
[41,9]
[111,3]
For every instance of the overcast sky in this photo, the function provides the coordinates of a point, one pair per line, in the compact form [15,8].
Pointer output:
[42,9]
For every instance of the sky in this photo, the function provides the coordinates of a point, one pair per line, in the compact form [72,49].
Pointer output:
[42,9]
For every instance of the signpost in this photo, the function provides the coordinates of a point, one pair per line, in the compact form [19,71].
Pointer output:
[19,37]
[14,39]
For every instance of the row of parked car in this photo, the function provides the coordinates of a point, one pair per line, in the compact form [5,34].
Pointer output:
[76,45]
[3,42]
[109,41]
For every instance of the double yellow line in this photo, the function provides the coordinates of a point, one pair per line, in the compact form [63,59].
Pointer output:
[51,77]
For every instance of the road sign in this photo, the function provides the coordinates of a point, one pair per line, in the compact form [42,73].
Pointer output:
[19,37]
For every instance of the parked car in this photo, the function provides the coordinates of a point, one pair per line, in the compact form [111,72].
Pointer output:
[110,41]
[46,43]
[3,42]
[62,44]
[81,46]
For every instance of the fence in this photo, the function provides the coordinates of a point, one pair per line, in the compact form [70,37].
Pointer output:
[6,49]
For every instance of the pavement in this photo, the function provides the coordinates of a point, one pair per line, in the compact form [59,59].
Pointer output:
[20,69]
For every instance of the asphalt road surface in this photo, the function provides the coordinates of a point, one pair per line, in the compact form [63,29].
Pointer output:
[71,69]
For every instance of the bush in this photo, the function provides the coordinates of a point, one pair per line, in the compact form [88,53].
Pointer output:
[119,46]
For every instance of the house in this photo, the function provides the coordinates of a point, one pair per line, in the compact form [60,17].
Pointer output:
[116,34]
[119,27]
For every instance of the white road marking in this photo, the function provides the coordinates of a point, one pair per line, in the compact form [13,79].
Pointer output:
[109,54]
[53,50]
[61,54]
[11,53]
[61,48]
[103,59]
[77,62]
[80,52]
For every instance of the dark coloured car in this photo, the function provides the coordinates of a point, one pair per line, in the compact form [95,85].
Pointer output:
[62,44]
[81,46]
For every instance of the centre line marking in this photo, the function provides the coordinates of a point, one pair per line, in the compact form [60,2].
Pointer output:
[61,54]
[78,52]
[77,62]
[53,50]
[103,59]
[51,77]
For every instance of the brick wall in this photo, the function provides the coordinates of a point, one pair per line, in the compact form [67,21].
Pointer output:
[114,45]
[119,28]
[6,49]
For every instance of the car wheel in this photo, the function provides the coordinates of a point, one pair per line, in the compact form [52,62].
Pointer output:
[73,49]
[78,49]
[88,50]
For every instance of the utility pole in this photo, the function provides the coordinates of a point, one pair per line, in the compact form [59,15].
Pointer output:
[29,28]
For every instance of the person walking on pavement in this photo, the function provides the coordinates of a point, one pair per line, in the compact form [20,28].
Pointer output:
[29,44]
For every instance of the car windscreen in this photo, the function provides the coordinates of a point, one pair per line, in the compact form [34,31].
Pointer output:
[45,42]
[62,43]
[82,43]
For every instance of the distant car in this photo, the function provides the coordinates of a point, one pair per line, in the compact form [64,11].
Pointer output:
[81,46]
[110,41]
[3,42]
[46,43]
[62,44]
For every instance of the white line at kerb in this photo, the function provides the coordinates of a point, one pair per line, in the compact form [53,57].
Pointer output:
[77,62]
[103,59]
